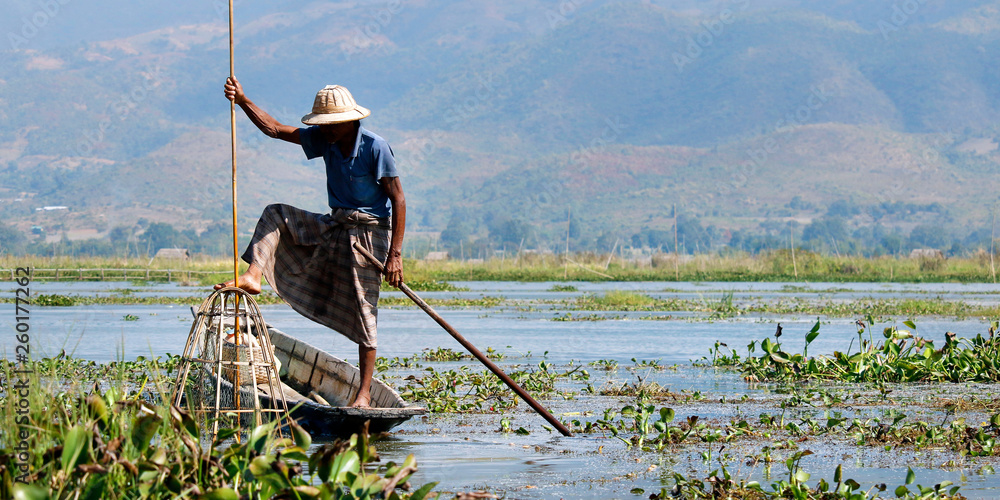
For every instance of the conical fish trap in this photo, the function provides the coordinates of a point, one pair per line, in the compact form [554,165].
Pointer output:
[228,376]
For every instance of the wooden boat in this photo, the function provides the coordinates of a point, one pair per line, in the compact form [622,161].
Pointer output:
[307,370]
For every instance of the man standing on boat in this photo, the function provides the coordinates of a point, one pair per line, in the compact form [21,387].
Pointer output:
[309,258]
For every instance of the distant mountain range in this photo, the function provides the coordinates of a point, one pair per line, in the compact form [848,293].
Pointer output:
[525,110]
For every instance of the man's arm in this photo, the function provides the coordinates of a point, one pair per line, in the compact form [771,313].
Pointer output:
[394,263]
[265,122]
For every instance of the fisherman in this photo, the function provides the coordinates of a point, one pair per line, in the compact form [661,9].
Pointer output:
[309,258]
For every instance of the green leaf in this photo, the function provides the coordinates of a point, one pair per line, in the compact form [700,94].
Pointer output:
[838,474]
[344,464]
[902,491]
[811,336]
[910,476]
[306,491]
[374,485]
[29,492]
[143,430]
[910,324]
[159,457]
[667,415]
[637,491]
[295,453]
[75,443]
[423,491]
[321,464]
[258,438]
[98,409]
[261,466]
[522,431]
[225,434]
[779,357]
[183,420]
[221,494]
[802,476]
[95,489]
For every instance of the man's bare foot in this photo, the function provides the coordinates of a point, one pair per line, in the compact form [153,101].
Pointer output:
[248,282]
[362,401]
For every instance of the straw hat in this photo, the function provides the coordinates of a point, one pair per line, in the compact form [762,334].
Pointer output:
[334,104]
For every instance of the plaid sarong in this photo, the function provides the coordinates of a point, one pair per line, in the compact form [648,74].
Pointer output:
[310,261]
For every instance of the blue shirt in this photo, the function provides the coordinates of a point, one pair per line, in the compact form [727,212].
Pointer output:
[353,182]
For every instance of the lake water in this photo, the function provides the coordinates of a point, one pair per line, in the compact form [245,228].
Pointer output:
[464,452]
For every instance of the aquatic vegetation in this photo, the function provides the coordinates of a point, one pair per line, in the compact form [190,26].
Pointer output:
[720,484]
[386,364]
[505,428]
[652,364]
[463,390]
[420,285]
[644,427]
[66,369]
[562,288]
[770,266]
[724,307]
[67,443]
[639,389]
[568,316]
[902,356]
[605,364]
[483,301]
[873,307]
[617,300]
[53,300]
[892,430]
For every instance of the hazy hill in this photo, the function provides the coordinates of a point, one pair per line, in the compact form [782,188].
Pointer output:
[615,110]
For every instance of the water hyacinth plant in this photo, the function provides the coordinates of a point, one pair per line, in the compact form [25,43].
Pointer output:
[900,356]
[118,440]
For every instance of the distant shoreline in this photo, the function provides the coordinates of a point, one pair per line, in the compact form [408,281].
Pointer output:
[775,266]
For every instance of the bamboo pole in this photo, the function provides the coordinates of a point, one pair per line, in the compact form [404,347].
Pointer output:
[471,348]
[236,257]
[677,255]
[791,240]
[232,130]
[611,255]
[569,221]
[993,236]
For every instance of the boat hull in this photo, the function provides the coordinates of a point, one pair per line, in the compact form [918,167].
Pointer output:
[306,370]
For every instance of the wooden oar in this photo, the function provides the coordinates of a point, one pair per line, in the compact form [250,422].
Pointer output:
[471,348]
